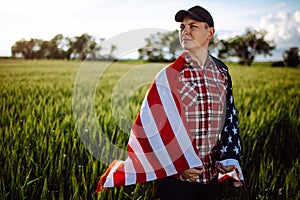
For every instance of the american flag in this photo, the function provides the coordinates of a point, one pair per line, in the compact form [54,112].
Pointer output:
[160,142]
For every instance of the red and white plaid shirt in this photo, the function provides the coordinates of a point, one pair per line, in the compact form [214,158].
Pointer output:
[202,90]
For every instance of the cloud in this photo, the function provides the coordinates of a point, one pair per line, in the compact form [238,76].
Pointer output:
[283,27]
[297,19]
[297,16]
[280,5]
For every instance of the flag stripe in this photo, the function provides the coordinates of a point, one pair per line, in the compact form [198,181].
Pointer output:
[109,182]
[136,147]
[130,176]
[143,134]
[139,170]
[166,133]
[176,121]
[119,175]
[156,141]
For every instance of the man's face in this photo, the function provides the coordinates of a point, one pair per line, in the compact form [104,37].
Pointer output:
[194,35]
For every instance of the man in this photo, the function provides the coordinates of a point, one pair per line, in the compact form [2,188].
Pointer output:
[203,101]
[187,130]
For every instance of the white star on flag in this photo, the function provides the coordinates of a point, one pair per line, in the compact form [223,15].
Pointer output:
[230,118]
[225,129]
[224,149]
[233,111]
[229,139]
[236,150]
[234,130]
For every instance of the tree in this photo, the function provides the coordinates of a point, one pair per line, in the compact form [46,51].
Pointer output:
[59,46]
[246,46]
[111,52]
[83,45]
[161,47]
[291,57]
[56,48]
[224,48]
[29,49]
[44,51]
[172,44]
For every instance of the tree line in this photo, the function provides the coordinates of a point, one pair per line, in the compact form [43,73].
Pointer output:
[60,47]
[159,47]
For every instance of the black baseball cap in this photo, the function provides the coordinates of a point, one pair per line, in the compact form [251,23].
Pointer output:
[197,13]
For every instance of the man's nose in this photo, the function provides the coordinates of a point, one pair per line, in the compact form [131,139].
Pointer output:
[185,31]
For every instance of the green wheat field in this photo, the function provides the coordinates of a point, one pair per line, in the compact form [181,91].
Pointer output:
[43,157]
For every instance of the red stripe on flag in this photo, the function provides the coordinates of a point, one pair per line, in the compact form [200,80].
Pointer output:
[104,176]
[140,135]
[150,154]
[140,171]
[119,175]
[160,117]
[166,132]
[173,72]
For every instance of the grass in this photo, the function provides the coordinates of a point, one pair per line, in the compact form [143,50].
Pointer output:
[44,156]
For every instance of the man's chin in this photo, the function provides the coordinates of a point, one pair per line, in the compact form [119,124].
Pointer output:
[187,46]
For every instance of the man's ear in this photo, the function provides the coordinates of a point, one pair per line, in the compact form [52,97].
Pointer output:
[211,33]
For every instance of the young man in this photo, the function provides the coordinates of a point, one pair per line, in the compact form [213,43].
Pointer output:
[187,129]
[203,89]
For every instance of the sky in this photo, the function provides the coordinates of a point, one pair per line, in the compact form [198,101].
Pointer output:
[44,19]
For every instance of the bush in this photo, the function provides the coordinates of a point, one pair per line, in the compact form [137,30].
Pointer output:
[277,64]
[291,57]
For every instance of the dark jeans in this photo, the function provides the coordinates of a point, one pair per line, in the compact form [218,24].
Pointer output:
[174,189]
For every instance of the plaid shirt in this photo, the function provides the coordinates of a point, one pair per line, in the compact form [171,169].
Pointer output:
[203,93]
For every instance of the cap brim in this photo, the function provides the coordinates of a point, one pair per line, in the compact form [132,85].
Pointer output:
[180,15]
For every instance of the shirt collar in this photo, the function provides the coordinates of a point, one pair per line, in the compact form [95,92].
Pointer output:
[208,63]
[189,61]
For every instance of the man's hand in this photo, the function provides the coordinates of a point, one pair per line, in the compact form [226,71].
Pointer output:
[223,170]
[193,174]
